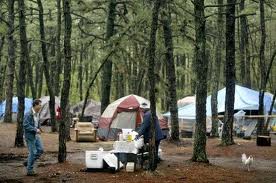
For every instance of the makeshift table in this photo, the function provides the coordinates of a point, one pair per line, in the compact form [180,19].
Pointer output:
[125,152]
[124,147]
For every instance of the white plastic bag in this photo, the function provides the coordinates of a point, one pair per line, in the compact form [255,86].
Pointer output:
[139,143]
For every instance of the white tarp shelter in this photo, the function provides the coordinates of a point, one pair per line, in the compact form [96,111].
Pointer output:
[245,99]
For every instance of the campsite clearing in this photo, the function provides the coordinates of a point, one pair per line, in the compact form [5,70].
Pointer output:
[225,162]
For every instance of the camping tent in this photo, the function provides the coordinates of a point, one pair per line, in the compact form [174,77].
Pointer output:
[45,109]
[124,113]
[186,101]
[93,108]
[245,99]
[28,106]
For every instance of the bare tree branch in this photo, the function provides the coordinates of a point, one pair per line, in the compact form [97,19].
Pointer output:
[270,66]
[3,20]
[248,14]
[89,34]
[217,5]
[85,18]
[94,78]
[190,13]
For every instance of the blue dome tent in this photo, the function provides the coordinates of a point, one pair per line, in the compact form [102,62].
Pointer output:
[28,106]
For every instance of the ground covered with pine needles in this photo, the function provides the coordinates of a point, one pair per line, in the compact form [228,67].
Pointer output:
[225,162]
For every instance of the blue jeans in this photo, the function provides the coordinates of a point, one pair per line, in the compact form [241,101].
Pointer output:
[35,149]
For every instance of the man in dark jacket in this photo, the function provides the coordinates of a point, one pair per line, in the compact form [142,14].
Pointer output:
[32,133]
[145,130]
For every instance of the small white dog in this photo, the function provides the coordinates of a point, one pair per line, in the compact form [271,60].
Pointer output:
[247,161]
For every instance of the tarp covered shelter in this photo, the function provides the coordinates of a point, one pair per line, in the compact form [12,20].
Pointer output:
[93,108]
[28,105]
[45,109]
[125,112]
[186,101]
[245,99]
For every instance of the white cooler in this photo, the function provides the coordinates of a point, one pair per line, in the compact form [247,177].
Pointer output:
[94,159]
[112,161]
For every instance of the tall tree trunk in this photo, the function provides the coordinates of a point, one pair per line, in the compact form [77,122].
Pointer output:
[182,59]
[30,81]
[260,127]
[244,47]
[119,83]
[269,68]
[166,21]
[164,98]
[80,73]
[151,77]
[201,69]
[210,64]
[52,61]
[30,86]
[141,75]
[247,59]
[58,53]
[217,66]
[116,83]
[66,81]
[39,75]
[227,132]
[22,74]
[27,87]
[11,63]
[270,109]
[192,76]
[46,65]
[3,67]
[244,50]
[107,70]
[128,74]
[29,72]
[86,71]
[134,77]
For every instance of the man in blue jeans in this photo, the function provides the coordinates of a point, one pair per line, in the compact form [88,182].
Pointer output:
[32,133]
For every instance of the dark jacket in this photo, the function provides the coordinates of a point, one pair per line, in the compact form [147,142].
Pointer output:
[29,125]
[145,128]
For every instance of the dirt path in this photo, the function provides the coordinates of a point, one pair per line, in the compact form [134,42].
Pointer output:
[14,164]
[225,163]
[233,162]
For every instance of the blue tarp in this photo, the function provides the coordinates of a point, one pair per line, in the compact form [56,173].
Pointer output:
[28,105]
[245,99]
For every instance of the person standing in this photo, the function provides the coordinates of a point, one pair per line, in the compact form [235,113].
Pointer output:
[145,129]
[32,133]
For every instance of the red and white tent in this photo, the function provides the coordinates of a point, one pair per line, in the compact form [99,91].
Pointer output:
[125,112]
